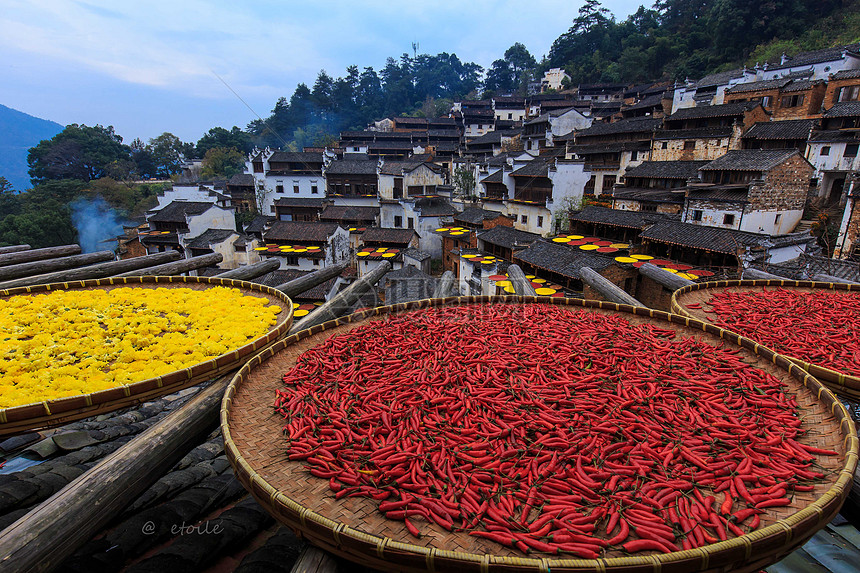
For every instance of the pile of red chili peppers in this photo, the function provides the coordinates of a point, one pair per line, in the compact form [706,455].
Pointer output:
[546,429]
[821,327]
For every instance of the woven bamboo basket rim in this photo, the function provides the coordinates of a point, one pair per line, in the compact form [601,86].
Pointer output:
[63,410]
[756,549]
[840,382]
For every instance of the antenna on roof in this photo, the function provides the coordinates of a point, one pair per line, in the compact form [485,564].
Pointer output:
[415,47]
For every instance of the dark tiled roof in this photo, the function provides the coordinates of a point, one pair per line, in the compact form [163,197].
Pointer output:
[176,211]
[816,57]
[724,110]
[276,278]
[700,237]
[507,237]
[407,284]
[410,120]
[666,169]
[721,193]
[241,180]
[259,223]
[561,259]
[352,167]
[537,167]
[806,266]
[650,101]
[694,133]
[493,137]
[719,79]
[649,195]
[300,231]
[844,109]
[846,75]
[210,236]
[495,177]
[631,125]
[617,218]
[750,160]
[296,157]
[789,129]
[614,147]
[800,85]
[386,235]
[414,253]
[349,213]
[435,207]
[401,167]
[833,135]
[309,203]
[758,86]
[475,215]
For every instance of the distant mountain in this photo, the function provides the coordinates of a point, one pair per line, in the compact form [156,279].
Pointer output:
[18,133]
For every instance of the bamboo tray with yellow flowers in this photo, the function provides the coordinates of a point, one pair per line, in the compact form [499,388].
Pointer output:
[73,350]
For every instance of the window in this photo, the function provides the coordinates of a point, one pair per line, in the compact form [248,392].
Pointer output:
[728,219]
[279,188]
[398,221]
[540,221]
[777,218]
[690,145]
[848,93]
[766,101]
[411,222]
[314,190]
[510,116]
[697,215]
[316,262]
[825,150]
[792,101]
[850,150]
[524,220]
[634,155]
[664,145]
[295,188]
[292,260]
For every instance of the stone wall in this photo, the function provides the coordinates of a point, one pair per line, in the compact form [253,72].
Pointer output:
[785,187]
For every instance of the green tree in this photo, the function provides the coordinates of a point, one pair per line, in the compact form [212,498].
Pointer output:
[464,181]
[222,163]
[168,152]
[220,137]
[78,152]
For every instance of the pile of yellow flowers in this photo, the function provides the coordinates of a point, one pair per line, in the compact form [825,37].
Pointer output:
[67,343]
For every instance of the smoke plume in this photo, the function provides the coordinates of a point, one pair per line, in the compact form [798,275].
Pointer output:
[95,221]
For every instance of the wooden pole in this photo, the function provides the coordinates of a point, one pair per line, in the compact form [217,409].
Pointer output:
[249,272]
[757,275]
[607,290]
[522,285]
[99,271]
[314,560]
[38,254]
[44,538]
[14,249]
[298,286]
[177,268]
[343,301]
[825,278]
[665,278]
[446,285]
[50,265]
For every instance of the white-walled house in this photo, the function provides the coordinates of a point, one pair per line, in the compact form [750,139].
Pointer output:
[195,192]
[833,150]
[417,175]
[540,132]
[543,189]
[234,249]
[173,224]
[424,215]
[282,174]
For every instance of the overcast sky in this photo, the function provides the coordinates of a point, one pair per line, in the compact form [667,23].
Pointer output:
[150,66]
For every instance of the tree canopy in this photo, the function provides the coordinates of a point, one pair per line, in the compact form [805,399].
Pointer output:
[78,152]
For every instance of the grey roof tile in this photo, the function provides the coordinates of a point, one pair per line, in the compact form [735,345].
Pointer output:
[750,160]
[666,169]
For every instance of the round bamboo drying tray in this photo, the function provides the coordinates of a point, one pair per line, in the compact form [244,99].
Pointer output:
[840,382]
[61,411]
[354,529]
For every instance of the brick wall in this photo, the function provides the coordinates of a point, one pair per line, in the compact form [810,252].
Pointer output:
[133,248]
[833,87]
[652,294]
[785,186]
[500,220]
[852,234]
[618,276]
[706,149]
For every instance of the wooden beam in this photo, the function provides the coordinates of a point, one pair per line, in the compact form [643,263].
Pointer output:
[825,278]
[44,538]
[99,271]
[38,254]
[298,286]
[10,272]
[314,560]
[249,272]
[756,275]
[522,285]
[665,278]
[608,290]
[14,249]
[178,267]
[445,286]
[343,301]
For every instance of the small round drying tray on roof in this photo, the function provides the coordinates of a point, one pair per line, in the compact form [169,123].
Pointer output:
[699,295]
[64,410]
[354,529]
